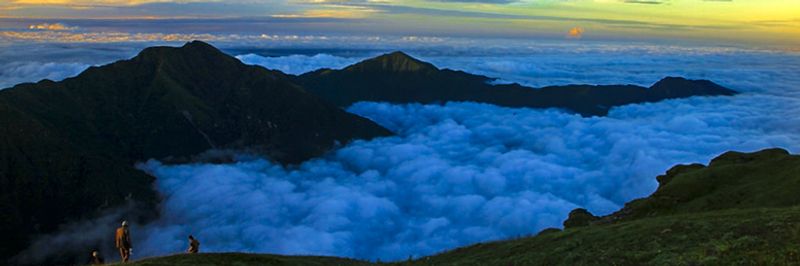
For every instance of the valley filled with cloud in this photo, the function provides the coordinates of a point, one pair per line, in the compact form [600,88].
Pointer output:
[462,173]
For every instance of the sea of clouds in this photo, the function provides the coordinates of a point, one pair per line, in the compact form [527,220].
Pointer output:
[32,62]
[13,73]
[456,174]
[299,64]
[462,173]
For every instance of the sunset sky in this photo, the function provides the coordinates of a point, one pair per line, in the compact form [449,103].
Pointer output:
[736,22]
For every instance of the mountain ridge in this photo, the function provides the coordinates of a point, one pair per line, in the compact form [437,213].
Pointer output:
[397,61]
[400,78]
[68,148]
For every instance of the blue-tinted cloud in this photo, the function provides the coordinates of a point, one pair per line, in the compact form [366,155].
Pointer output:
[32,62]
[19,72]
[457,174]
[299,64]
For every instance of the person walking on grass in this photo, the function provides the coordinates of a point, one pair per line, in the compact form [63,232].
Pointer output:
[123,242]
[194,245]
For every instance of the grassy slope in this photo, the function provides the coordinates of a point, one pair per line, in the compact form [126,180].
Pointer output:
[728,237]
[734,180]
[244,259]
[742,209]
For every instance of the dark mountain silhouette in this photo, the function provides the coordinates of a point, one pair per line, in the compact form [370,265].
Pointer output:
[399,78]
[68,149]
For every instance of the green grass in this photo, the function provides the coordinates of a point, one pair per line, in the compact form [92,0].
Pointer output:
[243,259]
[763,236]
[734,180]
[728,237]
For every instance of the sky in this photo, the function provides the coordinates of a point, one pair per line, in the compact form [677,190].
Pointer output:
[773,24]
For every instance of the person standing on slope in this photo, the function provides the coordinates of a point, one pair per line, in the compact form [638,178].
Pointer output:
[123,242]
[194,245]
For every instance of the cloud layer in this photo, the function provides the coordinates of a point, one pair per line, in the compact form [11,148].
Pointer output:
[299,64]
[33,62]
[19,72]
[456,174]
[559,63]
[51,27]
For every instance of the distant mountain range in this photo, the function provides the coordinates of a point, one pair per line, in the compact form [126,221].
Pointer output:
[399,78]
[68,148]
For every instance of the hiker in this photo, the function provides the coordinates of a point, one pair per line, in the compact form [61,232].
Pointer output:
[194,245]
[123,242]
[95,259]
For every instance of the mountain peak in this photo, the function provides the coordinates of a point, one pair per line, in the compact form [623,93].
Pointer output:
[678,87]
[191,50]
[394,62]
[398,55]
[195,61]
[671,81]
[167,103]
[199,45]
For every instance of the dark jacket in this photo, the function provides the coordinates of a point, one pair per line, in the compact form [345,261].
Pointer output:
[194,246]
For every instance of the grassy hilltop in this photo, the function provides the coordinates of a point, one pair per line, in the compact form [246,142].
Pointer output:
[741,209]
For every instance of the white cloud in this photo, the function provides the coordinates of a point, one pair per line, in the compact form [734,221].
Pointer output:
[51,27]
[622,64]
[18,72]
[32,62]
[455,175]
[299,64]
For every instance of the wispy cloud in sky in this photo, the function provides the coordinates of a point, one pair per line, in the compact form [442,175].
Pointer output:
[576,32]
[52,27]
[721,21]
